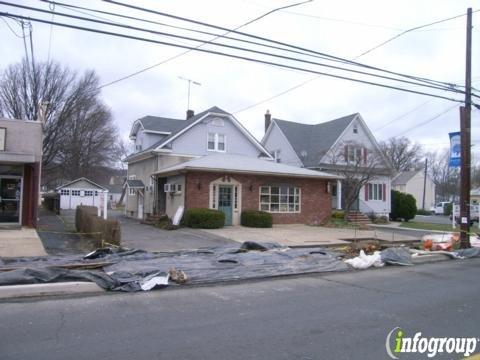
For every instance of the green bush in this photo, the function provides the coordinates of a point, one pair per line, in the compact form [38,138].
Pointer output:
[201,218]
[338,214]
[447,209]
[423,212]
[87,221]
[403,206]
[257,219]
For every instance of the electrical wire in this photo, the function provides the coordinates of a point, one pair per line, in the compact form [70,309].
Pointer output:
[317,77]
[11,29]
[271,40]
[230,55]
[239,48]
[52,9]
[426,121]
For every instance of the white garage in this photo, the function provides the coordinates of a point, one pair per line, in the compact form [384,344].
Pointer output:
[81,192]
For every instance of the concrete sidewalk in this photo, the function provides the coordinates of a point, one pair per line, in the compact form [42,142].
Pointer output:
[304,235]
[20,242]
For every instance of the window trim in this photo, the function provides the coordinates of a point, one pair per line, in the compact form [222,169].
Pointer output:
[374,190]
[299,204]
[216,136]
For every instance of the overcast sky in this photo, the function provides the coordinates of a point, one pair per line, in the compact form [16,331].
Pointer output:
[344,28]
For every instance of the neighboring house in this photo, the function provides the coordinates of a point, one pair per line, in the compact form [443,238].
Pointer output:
[81,191]
[475,196]
[413,182]
[211,161]
[114,194]
[20,166]
[334,146]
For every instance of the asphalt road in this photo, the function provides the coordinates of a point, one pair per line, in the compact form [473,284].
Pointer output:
[335,316]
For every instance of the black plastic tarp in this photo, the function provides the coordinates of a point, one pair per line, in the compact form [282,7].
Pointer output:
[127,270]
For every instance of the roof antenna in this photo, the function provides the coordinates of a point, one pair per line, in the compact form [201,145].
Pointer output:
[190,81]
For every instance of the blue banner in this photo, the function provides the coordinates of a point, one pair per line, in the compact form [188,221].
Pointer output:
[455,149]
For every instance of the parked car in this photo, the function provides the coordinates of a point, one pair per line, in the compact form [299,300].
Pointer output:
[474,213]
[439,208]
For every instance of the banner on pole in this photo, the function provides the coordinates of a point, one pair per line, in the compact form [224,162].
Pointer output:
[455,149]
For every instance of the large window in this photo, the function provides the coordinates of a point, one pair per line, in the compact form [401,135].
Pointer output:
[280,199]
[216,142]
[376,192]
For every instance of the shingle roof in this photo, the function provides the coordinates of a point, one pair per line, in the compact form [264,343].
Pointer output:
[311,142]
[403,177]
[115,189]
[174,125]
[245,164]
[135,184]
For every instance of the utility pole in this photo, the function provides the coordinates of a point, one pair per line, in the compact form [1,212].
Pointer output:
[424,183]
[465,137]
[190,81]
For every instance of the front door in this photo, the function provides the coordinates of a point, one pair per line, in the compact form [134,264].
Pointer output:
[10,200]
[140,205]
[225,202]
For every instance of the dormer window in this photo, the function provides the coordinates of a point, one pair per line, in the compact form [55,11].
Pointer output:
[355,129]
[216,142]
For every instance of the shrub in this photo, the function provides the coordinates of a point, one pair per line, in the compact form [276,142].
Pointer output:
[381,220]
[403,206]
[423,212]
[257,219]
[447,209]
[87,221]
[338,214]
[201,218]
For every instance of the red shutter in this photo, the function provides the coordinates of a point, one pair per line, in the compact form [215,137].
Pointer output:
[384,192]
[365,156]
[366,192]
[346,153]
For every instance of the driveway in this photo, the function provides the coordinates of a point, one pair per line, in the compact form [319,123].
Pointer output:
[147,237]
[305,235]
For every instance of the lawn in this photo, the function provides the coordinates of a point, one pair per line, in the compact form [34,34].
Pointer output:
[428,226]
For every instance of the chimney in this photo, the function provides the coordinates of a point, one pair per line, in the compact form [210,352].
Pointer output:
[268,120]
[190,113]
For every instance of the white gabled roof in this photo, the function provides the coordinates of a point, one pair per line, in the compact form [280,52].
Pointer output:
[81,179]
[244,165]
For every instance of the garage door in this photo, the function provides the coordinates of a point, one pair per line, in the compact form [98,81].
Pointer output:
[71,198]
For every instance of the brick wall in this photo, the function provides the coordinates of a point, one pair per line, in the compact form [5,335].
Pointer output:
[315,201]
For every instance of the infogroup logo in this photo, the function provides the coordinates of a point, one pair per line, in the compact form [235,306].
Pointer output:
[397,343]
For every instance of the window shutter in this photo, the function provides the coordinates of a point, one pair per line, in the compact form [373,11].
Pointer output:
[384,192]
[366,192]
[365,156]
[346,153]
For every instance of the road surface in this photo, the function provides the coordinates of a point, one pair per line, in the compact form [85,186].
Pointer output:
[335,316]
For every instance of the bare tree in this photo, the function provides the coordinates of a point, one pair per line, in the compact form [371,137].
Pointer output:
[446,178]
[358,166]
[79,134]
[402,153]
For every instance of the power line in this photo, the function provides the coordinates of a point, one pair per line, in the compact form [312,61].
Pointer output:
[52,9]
[336,58]
[403,115]
[427,121]
[236,47]
[315,78]
[231,56]
[11,29]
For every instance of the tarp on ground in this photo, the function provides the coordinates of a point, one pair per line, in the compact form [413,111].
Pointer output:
[128,270]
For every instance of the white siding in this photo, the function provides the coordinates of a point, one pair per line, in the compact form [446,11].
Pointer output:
[276,140]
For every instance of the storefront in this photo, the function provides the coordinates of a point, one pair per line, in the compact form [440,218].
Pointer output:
[20,158]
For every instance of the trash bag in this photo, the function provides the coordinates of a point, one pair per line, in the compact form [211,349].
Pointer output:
[363,261]
[396,256]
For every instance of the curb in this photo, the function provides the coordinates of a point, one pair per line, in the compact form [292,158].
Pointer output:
[50,289]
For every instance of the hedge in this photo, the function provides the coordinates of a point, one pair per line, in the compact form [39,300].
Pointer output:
[87,221]
[403,206]
[257,219]
[201,218]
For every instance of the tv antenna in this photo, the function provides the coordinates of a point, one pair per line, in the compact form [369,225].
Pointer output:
[190,82]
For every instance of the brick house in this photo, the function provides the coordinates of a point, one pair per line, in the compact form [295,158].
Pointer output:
[211,161]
